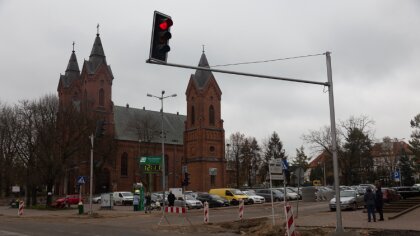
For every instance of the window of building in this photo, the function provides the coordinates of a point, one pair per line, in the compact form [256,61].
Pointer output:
[124,164]
[212,180]
[192,115]
[211,115]
[101,97]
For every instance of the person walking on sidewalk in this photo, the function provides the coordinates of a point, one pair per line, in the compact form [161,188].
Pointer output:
[379,200]
[148,203]
[370,204]
[171,198]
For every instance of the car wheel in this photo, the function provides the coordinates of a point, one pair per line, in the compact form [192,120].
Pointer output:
[355,206]
[251,201]
[332,209]
[99,201]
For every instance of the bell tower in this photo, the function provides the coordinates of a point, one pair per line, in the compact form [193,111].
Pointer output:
[204,135]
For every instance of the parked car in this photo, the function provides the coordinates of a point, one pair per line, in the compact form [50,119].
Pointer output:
[290,195]
[390,195]
[122,198]
[407,191]
[349,199]
[67,201]
[253,197]
[96,199]
[296,190]
[266,193]
[416,186]
[188,201]
[231,194]
[212,199]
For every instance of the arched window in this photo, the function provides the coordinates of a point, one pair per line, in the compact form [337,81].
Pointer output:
[101,97]
[124,164]
[192,115]
[211,115]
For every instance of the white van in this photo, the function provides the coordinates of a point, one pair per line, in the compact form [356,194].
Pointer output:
[122,198]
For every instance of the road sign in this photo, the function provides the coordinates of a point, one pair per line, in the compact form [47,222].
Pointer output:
[275,166]
[81,180]
[277,177]
[397,176]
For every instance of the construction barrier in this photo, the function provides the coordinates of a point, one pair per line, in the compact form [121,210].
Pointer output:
[179,210]
[241,209]
[290,224]
[206,212]
[21,206]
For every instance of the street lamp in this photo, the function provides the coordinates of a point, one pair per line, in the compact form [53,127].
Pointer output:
[161,97]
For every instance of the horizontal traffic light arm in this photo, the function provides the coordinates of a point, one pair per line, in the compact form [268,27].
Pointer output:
[151,61]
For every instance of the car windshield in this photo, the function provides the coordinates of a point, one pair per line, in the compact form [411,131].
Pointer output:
[189,197]
[127,194]
[237,192]
[249,193]
[347,194]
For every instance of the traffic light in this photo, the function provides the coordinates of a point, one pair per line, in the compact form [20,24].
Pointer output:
[186,179]
[100,128]
[161,34]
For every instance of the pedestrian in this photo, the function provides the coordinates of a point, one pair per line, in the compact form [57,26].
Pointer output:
[171,199]
[148,202]
[136,200]
[379,202]
[370,204]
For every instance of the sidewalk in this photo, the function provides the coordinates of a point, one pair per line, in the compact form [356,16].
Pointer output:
[358,219]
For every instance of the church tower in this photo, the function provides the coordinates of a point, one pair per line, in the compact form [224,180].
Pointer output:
[204,136]
[69,84]
[96,79]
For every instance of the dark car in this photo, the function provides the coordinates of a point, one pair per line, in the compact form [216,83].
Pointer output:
[266,193]
[407,191]
[213,200]
[390,195]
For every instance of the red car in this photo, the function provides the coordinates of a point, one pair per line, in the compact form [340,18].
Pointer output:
[390,195]
[67,201]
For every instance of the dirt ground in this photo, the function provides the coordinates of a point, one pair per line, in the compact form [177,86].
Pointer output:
[263,227]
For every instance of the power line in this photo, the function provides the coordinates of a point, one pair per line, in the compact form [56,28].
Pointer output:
[264,61]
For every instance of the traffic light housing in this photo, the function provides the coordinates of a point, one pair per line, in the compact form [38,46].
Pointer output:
[186,181]
[100,128]
[161,34]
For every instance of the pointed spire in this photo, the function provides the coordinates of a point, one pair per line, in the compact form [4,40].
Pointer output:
[202,76]
[97,55]
[73,66]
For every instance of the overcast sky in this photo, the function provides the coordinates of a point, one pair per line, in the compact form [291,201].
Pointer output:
[375,49]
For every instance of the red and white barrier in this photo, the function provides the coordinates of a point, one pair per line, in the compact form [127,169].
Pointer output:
[241,209]
[21,206]
[290,224]
[206,212]
[179,210]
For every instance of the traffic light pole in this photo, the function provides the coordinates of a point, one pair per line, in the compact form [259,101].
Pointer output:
[329,84]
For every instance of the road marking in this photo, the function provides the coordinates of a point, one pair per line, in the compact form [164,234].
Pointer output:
[9,233]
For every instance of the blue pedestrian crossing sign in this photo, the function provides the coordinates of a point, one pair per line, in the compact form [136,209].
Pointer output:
[81,180]
[397,175]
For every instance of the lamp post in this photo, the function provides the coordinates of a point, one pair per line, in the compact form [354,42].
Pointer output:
[161,97]
[323,170]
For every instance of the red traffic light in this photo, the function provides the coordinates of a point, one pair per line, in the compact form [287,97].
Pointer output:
[165,24]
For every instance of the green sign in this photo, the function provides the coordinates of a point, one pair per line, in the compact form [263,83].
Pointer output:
[151,164]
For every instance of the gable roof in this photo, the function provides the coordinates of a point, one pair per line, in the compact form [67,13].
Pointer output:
[133,124]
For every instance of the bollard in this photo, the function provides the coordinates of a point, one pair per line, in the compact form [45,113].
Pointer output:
[80,206]
[206,212]
[21,206]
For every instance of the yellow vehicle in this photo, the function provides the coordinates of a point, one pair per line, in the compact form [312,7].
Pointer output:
[316,182]
[231,194]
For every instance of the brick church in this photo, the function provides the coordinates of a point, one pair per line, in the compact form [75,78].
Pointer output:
[194,143]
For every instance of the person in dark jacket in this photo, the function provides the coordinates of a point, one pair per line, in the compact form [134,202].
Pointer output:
[148,203]
[379,202]
[370,204]
[171,199]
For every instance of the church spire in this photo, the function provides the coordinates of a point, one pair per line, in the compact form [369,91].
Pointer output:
[97,55]
[202,76]
[73,66]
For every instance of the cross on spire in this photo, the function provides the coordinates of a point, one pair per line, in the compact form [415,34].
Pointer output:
[73,46]
[203,47]
[97,29]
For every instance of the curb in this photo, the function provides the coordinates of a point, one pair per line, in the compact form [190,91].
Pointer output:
[403,212]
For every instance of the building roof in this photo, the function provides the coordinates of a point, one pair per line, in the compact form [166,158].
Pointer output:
[72,72]
[201,77]
[97,57]
[133,124]
[391,148]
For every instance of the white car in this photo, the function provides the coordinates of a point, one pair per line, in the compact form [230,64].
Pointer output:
[122,198]
[190,202]
[254,198]
[349,199]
